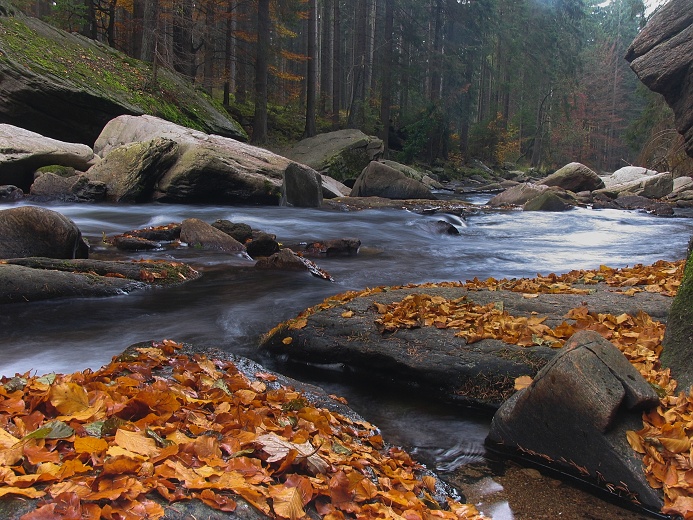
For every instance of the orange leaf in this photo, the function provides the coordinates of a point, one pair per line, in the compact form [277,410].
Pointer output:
[287,502]
[90,445]
[136,442]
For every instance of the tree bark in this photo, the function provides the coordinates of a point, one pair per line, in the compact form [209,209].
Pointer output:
[326,56]
[336,66]
[311,70]
[229,53]
[386,92]
[357,108]
[150,21]
[261,69]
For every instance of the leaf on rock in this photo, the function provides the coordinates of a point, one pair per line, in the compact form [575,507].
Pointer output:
[287,502]
[278,448]
[523,382]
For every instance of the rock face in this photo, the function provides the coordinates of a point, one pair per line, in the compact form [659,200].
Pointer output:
[380,180]
[341,154]
[204,168]
[75,188]
[678,338]
[302,186]
[23,152]
[33,231]
[576,413]
[67,96]
[518,195]
[546,201]
[574,177]
[661,57]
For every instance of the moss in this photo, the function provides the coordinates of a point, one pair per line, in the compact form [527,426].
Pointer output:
[348,164]
[62,171]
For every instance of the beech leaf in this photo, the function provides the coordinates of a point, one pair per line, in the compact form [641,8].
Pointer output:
[278,448]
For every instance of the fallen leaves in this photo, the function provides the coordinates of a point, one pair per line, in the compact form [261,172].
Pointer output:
[156,423]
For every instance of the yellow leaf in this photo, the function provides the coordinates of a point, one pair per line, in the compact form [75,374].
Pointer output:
[90,445]
[287,340]
[72,401]
[675,445]
[528,295]
[522,382]
[136,442]
[287,502]
[25,492]
[347,314]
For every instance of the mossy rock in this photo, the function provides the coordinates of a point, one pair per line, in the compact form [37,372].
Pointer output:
[677,352]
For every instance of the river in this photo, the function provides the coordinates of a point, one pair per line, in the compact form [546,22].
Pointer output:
[232,304]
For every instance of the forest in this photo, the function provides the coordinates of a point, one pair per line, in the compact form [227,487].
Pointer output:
[537,83]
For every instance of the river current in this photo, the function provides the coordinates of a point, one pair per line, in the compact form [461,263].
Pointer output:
[232,304]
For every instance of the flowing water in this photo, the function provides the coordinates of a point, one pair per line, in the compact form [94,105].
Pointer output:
[232,304]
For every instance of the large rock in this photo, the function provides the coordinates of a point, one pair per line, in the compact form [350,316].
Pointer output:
[207,168]
[68,87]
[23,152]
[341,154]
[518,195]
[131,171]
[661,57]
[78,188]
[639,181]
[33,231]
[380,180]
[197,233]
[302,187]
[547,201]
[413,173]
[576,413]
[574,177]
[677,353]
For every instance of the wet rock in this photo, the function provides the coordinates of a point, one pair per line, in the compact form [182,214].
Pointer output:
[380,180]
[197,233]
[518,195]
[23,152]
[262,244]
[547,201]
[639,181]
[241,232]
[574,177]
[337,247]
[126,243]
[34,231]
[288,260]
[33,279]
[78,188]
[167,233]
[332,188]
[302,187]
[576,412]
[10,193]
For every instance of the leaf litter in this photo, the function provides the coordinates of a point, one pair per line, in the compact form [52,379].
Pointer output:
[159,426]
[666,438]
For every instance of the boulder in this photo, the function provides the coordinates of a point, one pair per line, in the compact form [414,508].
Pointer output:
[380,180]
[50,186]
[576,412]
[53,82]
[33,231]
[262,244]
[241,232]
[23,152]
[547,201]
[518,195]
[639,181]
[332,188]
[661,57]
[341,154]
[677,353]
[131,171]
[574,177]
[287,260]
[336,247]
[207,168]
[197,233]
[10,193]
[413,173]
[302,187]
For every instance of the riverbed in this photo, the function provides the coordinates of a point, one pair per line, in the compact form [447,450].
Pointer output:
[232,304]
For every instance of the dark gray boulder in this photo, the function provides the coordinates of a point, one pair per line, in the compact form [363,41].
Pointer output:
[576,413]
[241,232]
[262,244]
[79,188]
[34,231]
[661,57]
[10,193]
[574,177]
[547,201]
[197,233]
[302,187]
[381,180]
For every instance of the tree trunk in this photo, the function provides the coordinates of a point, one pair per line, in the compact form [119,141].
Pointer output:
[150,21]
[242,55]
[229,53]
[357,109]
[326,56]
[336,66]
[210,46]
[386,92]
[261,69]
[183,51]
[311,70]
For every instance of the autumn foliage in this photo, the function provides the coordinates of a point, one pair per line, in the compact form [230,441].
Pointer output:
[156,427]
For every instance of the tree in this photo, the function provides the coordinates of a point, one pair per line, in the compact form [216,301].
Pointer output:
[311,70]
[261,72]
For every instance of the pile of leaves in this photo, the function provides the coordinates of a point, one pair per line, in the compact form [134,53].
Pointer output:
[157,426]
